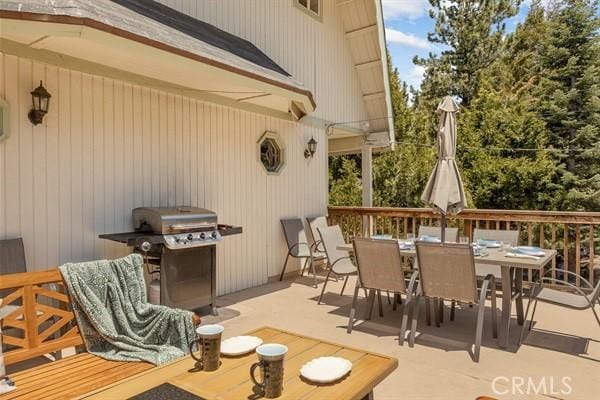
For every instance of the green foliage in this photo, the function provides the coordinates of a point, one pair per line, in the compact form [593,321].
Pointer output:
[344,182]
[569,92]
[536,88]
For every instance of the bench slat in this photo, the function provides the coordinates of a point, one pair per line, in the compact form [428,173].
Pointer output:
[71,377]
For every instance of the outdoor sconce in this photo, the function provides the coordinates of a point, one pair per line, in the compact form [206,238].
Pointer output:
[41,100]
[311,148]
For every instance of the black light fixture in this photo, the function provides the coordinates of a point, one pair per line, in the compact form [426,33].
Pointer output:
[311,148]
[41,101]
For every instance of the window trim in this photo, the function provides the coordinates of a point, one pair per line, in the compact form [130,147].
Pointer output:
[279,141]
[308,11]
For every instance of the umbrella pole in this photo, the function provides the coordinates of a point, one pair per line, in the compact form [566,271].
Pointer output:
[443,226]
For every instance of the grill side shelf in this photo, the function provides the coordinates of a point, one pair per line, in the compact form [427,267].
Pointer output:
[132,238]
[228,230]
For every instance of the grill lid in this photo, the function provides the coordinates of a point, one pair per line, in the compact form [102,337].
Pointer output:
[168,220]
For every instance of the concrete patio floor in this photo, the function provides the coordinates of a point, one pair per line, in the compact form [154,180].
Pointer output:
[560,358]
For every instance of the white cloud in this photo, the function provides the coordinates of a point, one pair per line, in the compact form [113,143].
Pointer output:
[409,9]
[415,77]
[406,39]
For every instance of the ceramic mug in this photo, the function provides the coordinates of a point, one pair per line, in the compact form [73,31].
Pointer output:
[208,338]
[270,363]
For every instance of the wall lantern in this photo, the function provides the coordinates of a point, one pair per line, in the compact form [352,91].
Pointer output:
[311,148]
[41,100]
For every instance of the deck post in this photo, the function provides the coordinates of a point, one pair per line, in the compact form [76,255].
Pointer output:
[367,187]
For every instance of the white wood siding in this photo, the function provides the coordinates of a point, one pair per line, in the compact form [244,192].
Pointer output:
[107,146]
[316,53]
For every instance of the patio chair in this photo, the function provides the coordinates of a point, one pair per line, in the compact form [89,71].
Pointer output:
[451,236]
[314,224]
[298,246]
[576,301]
[379,265]
[447,272]
[511,237]
[451,233]
[338,261]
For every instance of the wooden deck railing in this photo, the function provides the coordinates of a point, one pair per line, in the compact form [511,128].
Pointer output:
[575,235]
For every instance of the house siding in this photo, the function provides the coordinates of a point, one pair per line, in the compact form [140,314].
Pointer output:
[107,146]
[316,53]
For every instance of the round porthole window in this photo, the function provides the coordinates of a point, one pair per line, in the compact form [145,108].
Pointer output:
[271,152]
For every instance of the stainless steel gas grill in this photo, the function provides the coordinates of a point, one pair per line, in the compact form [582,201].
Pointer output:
[181,241]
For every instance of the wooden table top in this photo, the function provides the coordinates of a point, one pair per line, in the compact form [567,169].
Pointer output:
[232,379]
[494,257]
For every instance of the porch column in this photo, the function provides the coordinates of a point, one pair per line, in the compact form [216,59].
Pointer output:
[367,187]
[367,176]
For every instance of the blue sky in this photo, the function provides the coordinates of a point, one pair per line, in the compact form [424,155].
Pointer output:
[407,23]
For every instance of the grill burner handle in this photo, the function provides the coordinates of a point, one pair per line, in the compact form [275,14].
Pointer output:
[189,227]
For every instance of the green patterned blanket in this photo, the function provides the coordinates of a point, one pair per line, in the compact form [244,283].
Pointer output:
[115,319]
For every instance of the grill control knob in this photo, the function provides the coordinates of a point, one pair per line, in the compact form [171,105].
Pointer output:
[202,236]
[214,235]
[190,237]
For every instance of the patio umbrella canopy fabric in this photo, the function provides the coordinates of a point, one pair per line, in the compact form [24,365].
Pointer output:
[444,191]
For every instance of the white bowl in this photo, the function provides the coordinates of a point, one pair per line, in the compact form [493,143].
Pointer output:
[326,369]
[238,345]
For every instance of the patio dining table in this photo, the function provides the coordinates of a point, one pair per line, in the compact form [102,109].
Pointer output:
[512,279]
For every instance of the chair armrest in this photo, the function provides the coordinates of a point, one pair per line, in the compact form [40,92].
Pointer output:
[571,274]
[553,280]
[341,258]
[316,245]
[295,245]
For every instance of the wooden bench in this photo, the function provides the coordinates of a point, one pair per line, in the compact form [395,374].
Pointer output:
[41,322]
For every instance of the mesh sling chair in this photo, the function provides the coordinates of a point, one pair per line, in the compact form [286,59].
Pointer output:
[451,236]
[338,261]
[298,246]
[436,231]
[578,300]
[379,265]
[447,272]
[314,224]
[511,237]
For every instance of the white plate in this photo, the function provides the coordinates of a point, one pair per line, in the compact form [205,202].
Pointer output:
[529,250]
[238,345]
[326,369]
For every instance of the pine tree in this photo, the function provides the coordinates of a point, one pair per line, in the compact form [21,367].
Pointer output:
[570,99]
[471,34]
[344,182]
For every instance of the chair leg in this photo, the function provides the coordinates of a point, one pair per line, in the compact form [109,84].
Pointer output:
[494,312]
[415,318]
[344,285]
[436,314]
[380,303]
[525,322]
[304,266]
[478,331]
[314,271]
[324,285]
[441,308]
[284,266]
[395,301]
[370,304]
[406,310]
[428,311]
[353,309]
[388,297]
[452,310]
[596,315]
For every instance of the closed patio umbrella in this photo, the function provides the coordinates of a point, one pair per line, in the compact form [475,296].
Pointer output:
[444,191]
